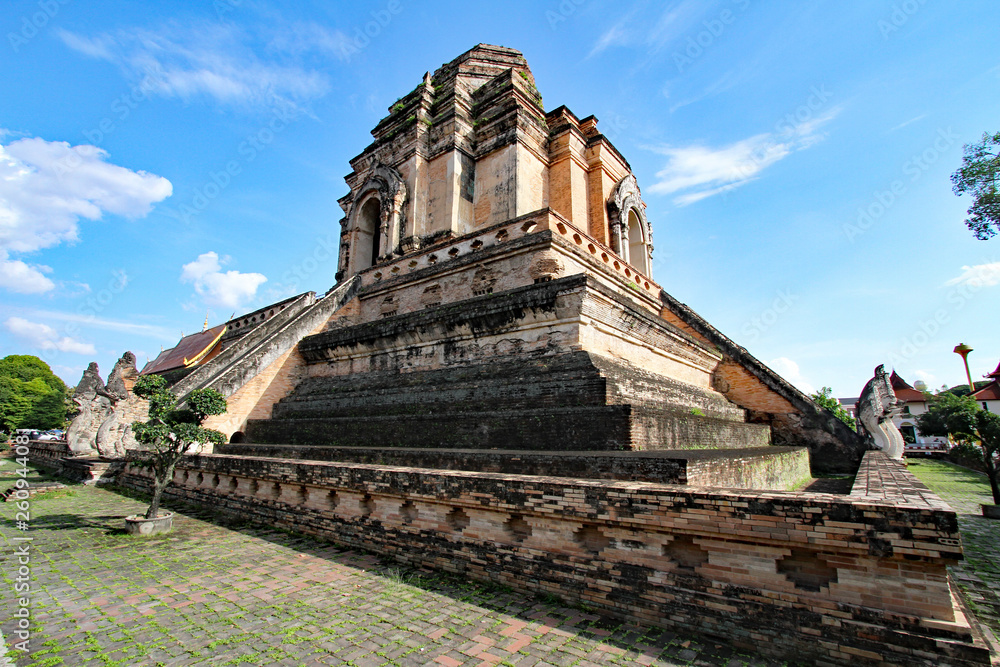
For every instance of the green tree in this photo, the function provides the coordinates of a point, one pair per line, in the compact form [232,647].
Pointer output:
[988,426]
[14,405]
[170,433]
[31,395]
[979,175]
[948,414]
[963,389]
[961,418]
[824,398]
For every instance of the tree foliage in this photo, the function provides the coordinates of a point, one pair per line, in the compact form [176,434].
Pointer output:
[948,414]
[961,418]
[979,175]
[824,398]
[170,432]
[31,395]
[963,389]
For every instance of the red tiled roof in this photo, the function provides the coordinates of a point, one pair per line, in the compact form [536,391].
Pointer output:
[990,392]
[904,391]
[995,374]
[187,349]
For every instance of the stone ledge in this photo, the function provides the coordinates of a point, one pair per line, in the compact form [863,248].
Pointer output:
[781,466]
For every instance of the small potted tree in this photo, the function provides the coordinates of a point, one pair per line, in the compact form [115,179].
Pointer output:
[168,435]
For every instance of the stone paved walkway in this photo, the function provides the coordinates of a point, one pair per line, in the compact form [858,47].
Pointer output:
[979,574]
[214,594]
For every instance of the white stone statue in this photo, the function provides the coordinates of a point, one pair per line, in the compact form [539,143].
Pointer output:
[876,408]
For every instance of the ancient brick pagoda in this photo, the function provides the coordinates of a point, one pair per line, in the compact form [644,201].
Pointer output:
[494,274]
[496,386]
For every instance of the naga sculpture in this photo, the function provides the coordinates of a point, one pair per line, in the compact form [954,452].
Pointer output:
[104,424]
[876,408]
[81,434]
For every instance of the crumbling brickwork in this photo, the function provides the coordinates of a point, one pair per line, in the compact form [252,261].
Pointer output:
[846,580]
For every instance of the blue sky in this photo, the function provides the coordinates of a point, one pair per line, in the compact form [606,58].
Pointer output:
[165,160]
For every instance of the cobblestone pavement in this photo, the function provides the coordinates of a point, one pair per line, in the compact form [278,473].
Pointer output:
[979,574]
[209,594]
[225,594]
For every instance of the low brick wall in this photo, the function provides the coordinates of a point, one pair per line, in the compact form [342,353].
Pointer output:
[56,456]
[824,578]
[753,468]
[48,453]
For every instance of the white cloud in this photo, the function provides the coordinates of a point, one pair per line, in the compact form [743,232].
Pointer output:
[675,19]
[17,276]
[907,122]
[230,289]
[695,172]
[107,325]
[980,275]
[217,61]
[44,337]
[789,370]
[46,187]
[305,36]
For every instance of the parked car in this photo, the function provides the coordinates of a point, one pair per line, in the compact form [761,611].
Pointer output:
[931,447]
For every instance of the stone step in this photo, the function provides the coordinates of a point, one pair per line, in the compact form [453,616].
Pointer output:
[611,427]
[779,468]
[566,380]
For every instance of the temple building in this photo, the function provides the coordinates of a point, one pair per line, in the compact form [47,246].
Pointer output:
[989,396]
[496,386]
[485,240]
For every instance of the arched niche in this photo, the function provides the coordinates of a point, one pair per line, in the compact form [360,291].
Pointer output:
[367,234]
[375,221]
[631,233]
[638,253]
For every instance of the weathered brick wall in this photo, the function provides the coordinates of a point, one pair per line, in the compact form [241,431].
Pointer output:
[48,453]
[769,399]
[520,401]
[558,428]
[759,468]
[832,579]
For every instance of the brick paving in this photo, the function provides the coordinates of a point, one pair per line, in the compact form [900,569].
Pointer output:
[979,574]
[225,594]
[215,594]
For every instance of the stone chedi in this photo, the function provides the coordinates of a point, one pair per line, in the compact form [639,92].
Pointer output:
[494,292]
[496,386]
